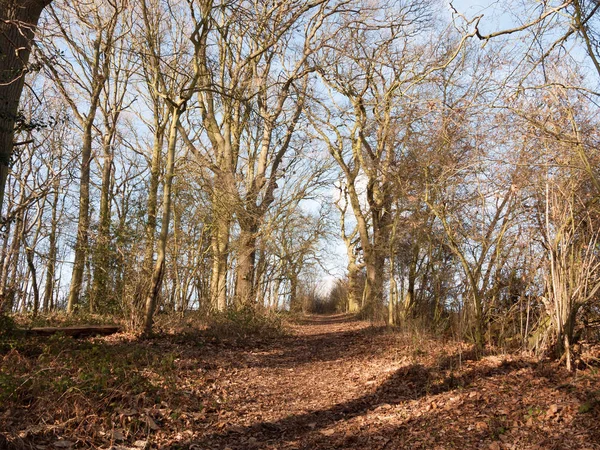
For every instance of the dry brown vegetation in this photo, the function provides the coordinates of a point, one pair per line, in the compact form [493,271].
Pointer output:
[329,382]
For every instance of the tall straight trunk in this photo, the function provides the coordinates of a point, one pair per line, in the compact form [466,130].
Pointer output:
[9,263]
[259,276]
[352,304]
[4,262]
[99,65]
[220,250]
[393,293]
[123,266]
[370,290]
[159,266]
[381,225]
[245,295]
[52,251]
[9,282]
[478,319]
[152,205]
[18,20]
[101,252]
[33,273]
[176,270]
[83,222]
[273,294]
[409,300]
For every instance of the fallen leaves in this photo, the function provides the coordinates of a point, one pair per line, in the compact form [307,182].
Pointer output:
[332,384]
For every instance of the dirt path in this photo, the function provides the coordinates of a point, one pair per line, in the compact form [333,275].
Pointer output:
[332,383]
[338,383]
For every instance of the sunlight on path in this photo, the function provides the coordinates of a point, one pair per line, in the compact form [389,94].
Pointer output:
[341,383]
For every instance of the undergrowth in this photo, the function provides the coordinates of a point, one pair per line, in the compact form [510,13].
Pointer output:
[77,387]
[80,386]
[245,323]
[62,319]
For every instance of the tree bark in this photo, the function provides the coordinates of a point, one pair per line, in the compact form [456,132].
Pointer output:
[18,21]
[220,250]
[51,268]
[102,247]
[157,147]
[294,304]
[9,283]
[159,266]
[31,266]
[245,295]
[83,222]
[4,262]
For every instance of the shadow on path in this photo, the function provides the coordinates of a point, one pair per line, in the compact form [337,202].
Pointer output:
[329,319]
[407,383]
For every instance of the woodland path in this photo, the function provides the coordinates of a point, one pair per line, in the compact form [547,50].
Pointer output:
[332,382]
[340,383]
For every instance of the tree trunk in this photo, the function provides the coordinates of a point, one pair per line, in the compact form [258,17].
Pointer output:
[153,194]
[353,285]
[478,333]
[18,20]
[36,291]
[220,249]
[245,295]
[102,247]
[159,266]
[393,292]
[274,300]
[409,300]
[294,304]
[83,223]
[4,263]
[373,295]
[52,251]
[9,282]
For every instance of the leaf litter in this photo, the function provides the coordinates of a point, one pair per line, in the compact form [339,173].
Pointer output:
[331,383]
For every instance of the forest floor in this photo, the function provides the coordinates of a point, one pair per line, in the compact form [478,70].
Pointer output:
[330,383]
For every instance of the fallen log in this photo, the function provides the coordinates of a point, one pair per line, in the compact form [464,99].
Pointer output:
[76,332]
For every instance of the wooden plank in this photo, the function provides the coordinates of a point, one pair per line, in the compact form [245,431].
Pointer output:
[76,331]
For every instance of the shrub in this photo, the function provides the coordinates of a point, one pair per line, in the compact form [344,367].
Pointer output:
[8,327]
[245,323]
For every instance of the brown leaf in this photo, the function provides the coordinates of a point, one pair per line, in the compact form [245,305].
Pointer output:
[529,422]
[151,423]
[128,412]
[552,410]
[118,435]
[481,426]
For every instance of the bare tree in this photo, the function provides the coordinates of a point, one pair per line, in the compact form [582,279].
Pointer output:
[113,102]
[368,117]
[93,52]
[250,107]
[178,100]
